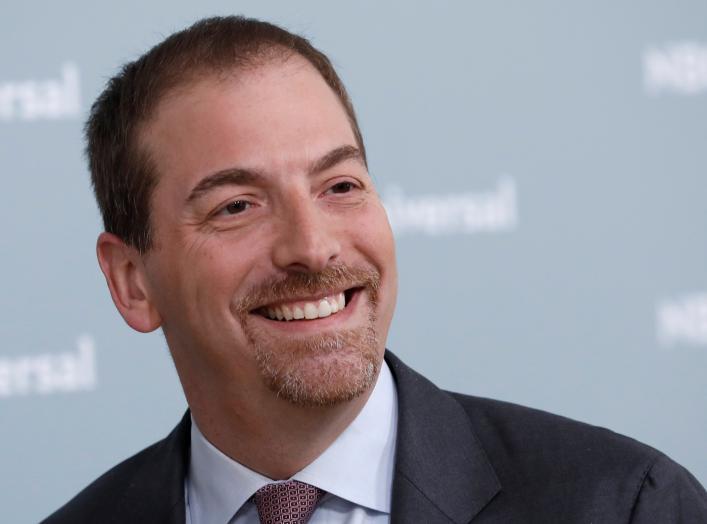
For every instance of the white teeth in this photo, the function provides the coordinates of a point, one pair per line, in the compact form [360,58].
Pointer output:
[287,313]
[324,309]
[308,310]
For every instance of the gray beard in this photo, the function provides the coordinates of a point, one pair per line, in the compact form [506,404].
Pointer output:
[321,370]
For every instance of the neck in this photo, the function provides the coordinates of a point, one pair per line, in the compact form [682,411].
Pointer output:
[281,444]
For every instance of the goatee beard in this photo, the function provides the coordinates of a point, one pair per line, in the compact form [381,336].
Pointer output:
[316,370]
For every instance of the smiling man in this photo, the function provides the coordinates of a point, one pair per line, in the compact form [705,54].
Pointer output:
[268,212]
[241,219]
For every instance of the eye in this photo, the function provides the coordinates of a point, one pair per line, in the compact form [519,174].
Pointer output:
[235,207]
[342,187]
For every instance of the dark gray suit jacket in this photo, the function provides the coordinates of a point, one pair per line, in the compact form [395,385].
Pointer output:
[459,459]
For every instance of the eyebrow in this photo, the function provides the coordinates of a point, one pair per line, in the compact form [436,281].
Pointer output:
[226,177]
[336,156]
[238,176]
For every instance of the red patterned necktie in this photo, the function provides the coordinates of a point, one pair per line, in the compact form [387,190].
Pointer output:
[290,502]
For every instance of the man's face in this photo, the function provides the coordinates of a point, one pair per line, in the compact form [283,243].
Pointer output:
[265,209]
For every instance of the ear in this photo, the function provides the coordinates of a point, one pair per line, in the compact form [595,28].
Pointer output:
[125,275]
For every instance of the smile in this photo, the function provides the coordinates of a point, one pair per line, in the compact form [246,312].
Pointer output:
[311,309]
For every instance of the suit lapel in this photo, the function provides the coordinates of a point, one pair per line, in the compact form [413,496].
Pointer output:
[156,493]
[442,473]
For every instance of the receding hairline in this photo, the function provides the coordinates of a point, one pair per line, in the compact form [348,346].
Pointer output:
[276,54]
[207,74]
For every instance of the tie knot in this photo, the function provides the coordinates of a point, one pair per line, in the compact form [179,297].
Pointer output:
[290,502]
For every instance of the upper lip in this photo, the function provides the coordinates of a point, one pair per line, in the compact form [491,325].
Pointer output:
[300,298]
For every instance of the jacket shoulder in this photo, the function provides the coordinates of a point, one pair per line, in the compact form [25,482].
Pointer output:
[547,442]
[549,461]
[546,460]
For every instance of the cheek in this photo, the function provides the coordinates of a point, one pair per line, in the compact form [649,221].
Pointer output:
[214,271]
[373,237]
[220,270]
[373,231]
[193,279]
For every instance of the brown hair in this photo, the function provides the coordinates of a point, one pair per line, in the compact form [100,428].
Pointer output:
[122,172]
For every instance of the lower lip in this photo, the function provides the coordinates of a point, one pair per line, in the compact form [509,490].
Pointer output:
[319,324]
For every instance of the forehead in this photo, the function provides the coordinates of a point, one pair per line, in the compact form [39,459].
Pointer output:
[272,116]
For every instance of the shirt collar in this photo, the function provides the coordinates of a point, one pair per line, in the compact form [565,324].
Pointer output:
[217,486]
[357,467]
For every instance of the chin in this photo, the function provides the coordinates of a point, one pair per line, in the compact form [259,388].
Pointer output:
[323,370]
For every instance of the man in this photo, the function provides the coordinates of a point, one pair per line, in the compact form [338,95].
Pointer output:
[241,219]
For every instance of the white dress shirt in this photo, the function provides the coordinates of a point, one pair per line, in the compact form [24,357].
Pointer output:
[356,471]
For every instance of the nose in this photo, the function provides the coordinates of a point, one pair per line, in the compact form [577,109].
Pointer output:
[308,240]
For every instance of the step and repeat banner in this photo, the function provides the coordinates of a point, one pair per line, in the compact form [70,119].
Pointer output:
[543,165]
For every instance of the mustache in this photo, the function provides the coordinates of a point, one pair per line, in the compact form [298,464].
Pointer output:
[296,284]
